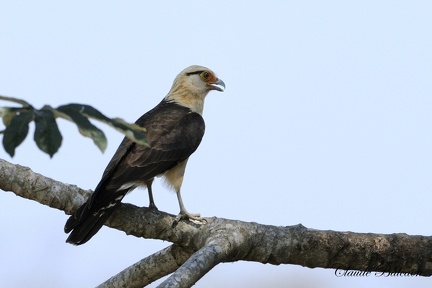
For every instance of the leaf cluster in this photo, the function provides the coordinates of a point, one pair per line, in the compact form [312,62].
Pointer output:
[47,134]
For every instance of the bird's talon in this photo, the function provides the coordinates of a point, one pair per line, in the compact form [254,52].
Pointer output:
[153,207]
[195,218]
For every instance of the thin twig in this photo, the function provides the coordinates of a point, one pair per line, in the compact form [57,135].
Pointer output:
[15,100]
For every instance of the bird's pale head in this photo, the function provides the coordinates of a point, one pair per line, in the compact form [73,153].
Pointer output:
[192,85]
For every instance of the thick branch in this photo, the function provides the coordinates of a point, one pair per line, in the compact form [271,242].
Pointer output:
[395,253]
[25,183]
[224,240]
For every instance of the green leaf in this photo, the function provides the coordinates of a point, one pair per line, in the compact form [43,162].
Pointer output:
[47,135]
[6,114]
[16,131]
[85,127]
[132,131]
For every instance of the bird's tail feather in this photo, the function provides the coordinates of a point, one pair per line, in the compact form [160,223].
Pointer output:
[84,224]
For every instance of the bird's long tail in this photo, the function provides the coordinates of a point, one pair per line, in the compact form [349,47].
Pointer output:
[85,223]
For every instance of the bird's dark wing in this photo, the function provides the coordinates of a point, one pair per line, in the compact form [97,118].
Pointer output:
[174,133]
[169,145]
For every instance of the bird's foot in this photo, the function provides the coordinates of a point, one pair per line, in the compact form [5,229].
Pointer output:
[196,218]
[153,206]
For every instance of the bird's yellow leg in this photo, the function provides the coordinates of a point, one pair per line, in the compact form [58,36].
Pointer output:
[184,214]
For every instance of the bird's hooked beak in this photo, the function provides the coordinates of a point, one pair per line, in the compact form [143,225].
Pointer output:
[217,85]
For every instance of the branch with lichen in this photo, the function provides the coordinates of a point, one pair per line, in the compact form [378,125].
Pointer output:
[197,248]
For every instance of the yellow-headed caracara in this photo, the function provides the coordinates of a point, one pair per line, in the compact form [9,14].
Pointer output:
[175,128]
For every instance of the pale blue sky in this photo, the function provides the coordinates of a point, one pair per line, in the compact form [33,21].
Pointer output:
[326,121]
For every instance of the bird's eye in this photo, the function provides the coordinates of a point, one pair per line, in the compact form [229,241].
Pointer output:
[205,75]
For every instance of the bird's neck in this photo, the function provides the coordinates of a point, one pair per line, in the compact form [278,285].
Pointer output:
[193,101]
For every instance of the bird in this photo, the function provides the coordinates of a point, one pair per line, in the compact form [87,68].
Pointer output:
[174,129]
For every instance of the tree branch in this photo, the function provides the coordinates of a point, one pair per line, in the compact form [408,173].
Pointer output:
[150,268]
[196,267]
[224,240]
[16,100]
[23,182]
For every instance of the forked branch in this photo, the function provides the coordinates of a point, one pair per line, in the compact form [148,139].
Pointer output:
[198,248]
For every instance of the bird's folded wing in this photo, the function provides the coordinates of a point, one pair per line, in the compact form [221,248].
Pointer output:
[171,142]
